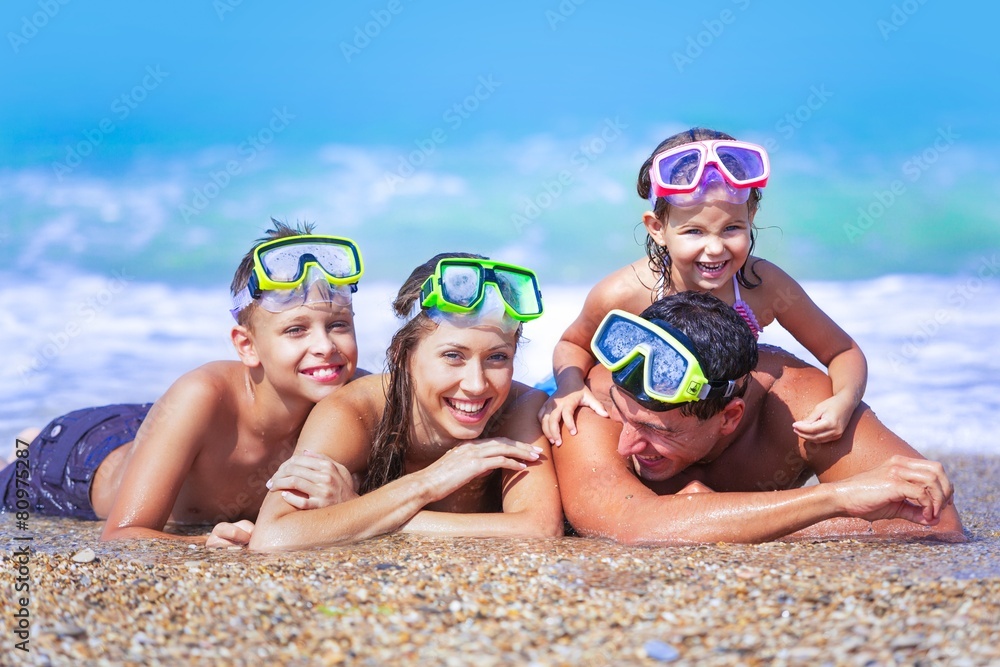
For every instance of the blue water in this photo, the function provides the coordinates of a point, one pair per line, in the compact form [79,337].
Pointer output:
[114,276]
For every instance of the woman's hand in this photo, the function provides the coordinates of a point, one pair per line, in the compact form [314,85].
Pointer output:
[230,535]
[462,464]
[310,481]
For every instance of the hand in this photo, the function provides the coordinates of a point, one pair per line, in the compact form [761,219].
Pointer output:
[900,488]
[310,480]
[561,407]
[230,535]
[827,421]
[462,464]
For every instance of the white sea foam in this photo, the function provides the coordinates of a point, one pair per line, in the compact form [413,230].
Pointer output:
[931,344]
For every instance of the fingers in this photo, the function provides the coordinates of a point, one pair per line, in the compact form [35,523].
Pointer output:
[230,534]
[593,403]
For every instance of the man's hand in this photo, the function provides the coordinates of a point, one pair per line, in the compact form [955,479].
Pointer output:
[900,488]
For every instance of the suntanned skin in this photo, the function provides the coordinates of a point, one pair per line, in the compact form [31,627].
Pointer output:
[208,446]
[748,451]
[341,428]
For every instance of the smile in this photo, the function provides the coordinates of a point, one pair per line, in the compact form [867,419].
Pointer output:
[323,373]
[468,412]
[715,267]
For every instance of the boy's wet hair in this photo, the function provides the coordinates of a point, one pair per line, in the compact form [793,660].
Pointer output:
[391,438]
[659,258]
[243,272]
[726,348]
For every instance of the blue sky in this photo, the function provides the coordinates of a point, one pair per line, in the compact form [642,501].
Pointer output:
[163,96]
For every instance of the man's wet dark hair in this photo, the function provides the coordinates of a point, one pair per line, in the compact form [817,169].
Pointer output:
[725,346]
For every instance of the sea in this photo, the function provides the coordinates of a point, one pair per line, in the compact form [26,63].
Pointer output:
[114,276]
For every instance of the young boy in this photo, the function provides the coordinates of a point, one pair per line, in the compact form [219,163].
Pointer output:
[204,451]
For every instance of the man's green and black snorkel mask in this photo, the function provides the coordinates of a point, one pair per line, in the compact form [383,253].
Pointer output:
[654,363]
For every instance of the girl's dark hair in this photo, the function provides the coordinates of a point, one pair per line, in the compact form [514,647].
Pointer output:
[392,435]
[659,258]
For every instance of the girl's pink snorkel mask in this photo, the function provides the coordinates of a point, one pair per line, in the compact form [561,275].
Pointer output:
[699,171]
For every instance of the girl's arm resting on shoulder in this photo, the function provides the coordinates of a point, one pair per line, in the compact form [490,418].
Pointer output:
[162,455]
[831,345]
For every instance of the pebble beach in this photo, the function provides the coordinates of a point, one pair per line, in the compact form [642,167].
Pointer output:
[572,601]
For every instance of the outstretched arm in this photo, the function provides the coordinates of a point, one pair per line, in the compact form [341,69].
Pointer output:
[601,497]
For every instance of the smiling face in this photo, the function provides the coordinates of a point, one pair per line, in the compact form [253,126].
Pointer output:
[663,444]
[461,378]
[707,244]
[307,351]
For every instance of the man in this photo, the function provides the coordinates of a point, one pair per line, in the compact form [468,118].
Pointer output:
[700,447]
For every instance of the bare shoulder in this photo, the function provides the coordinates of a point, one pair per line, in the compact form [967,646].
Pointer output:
[518,419]
[208,391]
[629,288]
[790,382]
[363,399]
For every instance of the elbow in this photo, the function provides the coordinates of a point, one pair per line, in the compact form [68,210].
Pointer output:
[551,526]
[269,539]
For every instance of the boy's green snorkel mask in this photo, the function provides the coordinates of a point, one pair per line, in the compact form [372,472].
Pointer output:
[294,270]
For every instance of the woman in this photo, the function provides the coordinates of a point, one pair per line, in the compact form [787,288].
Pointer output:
[445,443]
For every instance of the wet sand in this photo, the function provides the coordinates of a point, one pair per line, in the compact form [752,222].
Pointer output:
[410,600]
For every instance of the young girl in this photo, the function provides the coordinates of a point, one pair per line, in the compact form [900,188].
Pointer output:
[445,443]
[704,190]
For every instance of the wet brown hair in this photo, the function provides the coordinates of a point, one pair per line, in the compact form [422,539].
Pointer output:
[659,257]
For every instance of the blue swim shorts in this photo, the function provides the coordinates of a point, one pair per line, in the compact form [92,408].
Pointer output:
[63,458]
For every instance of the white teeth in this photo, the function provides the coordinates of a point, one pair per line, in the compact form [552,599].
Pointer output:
[467,406]
[712,267]
[323,373]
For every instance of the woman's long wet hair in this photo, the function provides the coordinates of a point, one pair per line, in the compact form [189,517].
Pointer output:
[391,440]
[659,257]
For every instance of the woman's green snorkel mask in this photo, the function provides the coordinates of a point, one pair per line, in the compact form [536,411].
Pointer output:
[468,292]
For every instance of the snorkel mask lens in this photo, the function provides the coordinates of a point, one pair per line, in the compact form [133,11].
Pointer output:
[294,270]
[689,174]
[653,362]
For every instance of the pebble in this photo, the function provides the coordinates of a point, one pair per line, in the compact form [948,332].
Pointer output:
[84,556]
[660,651]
